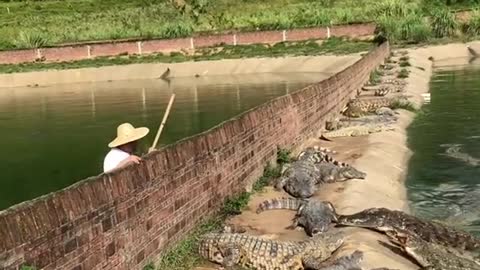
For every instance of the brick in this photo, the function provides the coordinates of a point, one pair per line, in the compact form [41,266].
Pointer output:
[110,249]
[107,224]
[71,245]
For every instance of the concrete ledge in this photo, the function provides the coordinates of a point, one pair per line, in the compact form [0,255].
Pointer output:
[329,65]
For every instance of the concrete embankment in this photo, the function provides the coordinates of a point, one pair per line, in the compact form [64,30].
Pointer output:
[383,156]
[325,66]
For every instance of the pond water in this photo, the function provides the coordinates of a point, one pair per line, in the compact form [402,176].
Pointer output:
[444,172]
[56,135]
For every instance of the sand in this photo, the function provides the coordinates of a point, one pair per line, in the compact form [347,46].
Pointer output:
[383,156]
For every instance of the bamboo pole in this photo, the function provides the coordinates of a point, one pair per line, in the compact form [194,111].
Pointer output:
[165,116]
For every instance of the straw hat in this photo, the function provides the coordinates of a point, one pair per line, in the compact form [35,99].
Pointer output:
[127,133]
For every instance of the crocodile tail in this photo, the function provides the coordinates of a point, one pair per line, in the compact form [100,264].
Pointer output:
[324,150]
[335,162]
[279,203]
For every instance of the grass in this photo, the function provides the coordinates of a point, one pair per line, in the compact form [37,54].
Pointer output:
[330,46]
[184,255]
[403,73]
[375,77]
[30,24]
[404,64]
[403,104]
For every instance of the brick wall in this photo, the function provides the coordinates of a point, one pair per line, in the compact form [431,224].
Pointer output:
[85,51]
[127,218]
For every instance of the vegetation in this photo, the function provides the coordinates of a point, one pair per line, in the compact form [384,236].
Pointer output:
[184,254]
[403,73]
[375,77]
[32,24]
[26,267]
[330,46]
[406,105]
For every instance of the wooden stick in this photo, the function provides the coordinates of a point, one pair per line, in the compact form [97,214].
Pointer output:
[165,116]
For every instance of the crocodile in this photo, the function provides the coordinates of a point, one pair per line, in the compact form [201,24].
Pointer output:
[453,151]
[354,131]
[319,155]
[330,173]
[383,219]
[363,106]
[313,215]
[300,179]
[379,90]
[230,249]
[392,80]
[428,255]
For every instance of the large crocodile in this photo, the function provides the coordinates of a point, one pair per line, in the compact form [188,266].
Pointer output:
[429,256]
[256,252]
[354,131]
[319,155]
[313,215]
[300,178]
[383,219]
[453,151]
[364,106]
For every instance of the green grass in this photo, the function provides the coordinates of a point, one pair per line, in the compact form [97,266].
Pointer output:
[330,46]
[375,77]
[403,104]
[183,256]
[404,64]
[26,267]
[30,24]
[403,73]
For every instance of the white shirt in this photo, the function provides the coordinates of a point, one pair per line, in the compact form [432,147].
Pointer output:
[113,158]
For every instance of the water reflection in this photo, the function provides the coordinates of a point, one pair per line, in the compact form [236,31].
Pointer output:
[54,136]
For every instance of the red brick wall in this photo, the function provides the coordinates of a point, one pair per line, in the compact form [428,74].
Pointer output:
[80,51]
[125,219]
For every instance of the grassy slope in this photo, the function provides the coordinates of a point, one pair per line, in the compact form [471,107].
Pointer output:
[331,46]
[28,24]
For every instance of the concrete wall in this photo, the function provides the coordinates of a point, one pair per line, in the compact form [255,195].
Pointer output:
[326,65]
[86,51]
[124,219]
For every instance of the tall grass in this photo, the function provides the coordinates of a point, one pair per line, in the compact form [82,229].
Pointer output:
[472,27]
[412,28]
[443,22]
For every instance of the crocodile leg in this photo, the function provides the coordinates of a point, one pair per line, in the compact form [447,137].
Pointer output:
[231,254]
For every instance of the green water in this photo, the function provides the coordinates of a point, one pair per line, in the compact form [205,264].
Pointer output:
[440,186]
[54,136]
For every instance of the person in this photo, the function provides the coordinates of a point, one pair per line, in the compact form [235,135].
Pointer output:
[123,147]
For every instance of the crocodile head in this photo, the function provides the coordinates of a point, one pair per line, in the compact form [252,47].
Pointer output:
[411,244]
[373,218]
[352,173]
[330,241]
[318,215]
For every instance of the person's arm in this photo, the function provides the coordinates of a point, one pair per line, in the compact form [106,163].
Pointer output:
[130,159]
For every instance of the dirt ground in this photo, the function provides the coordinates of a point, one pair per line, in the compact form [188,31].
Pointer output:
[383,156]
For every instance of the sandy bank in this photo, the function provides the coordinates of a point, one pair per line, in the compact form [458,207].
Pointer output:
[383,156]
[327,65]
